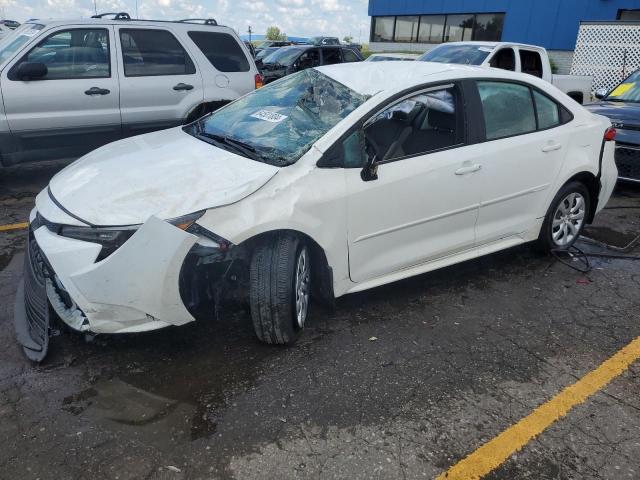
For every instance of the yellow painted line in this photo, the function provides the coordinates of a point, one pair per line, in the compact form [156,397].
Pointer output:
[495,452]
[13,226]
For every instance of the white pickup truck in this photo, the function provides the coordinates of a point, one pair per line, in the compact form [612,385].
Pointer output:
[511,56]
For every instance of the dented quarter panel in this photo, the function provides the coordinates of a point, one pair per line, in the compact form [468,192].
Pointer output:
[168,174]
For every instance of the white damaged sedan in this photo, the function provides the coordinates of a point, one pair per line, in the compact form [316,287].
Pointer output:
[330,181]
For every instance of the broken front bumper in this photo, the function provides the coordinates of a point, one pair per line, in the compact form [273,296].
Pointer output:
[135,289]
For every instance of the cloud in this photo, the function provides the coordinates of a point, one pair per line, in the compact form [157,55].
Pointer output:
[296,17]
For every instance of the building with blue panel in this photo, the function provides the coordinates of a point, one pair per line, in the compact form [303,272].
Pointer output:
[418,25]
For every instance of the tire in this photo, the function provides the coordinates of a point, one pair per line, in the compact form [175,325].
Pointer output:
[565,218]
[279,291]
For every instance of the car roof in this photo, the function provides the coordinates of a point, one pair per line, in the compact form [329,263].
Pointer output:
[112,21]
[371,78]
[493,44]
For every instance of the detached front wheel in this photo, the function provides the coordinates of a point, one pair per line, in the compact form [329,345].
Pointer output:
[280,288]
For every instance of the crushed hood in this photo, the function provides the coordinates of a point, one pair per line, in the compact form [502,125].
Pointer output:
[166,174]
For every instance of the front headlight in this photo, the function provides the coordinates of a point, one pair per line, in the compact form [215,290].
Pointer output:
[110,238]
[207,237]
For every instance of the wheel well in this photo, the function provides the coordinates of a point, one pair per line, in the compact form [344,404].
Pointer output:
[593,186]
[321,273]
[577,96]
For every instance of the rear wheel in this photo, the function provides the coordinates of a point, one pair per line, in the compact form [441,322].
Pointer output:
[279,291]
[566,217]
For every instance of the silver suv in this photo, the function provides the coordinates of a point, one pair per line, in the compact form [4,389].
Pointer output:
[69,87]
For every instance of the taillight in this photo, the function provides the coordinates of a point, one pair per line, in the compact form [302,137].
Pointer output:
[610,134]
[259,81]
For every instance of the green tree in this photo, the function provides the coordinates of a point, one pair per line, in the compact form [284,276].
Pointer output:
[274,33]
[347,39]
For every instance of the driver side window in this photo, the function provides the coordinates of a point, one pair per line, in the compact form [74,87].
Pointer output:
[426,122]
[77,53]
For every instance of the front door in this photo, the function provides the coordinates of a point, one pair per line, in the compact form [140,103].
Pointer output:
[424,203]
[71,110]
[159,83]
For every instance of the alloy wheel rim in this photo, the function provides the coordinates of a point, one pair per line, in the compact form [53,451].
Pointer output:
[568,219]
[303,279]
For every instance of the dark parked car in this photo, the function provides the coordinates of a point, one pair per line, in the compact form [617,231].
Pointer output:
[272,43]
[292,59]
[622,106]
[264,53]
[324,41]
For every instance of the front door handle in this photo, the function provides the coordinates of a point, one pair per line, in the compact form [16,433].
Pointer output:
[468,169]
[551,147]
[183,86]
[97,91]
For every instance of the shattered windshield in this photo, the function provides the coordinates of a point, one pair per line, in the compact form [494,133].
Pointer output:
[280,122]
[457,54]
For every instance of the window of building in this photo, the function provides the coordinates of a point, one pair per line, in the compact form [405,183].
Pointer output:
[382,29]
[458,28]
[488,27]
[406,29]
[438,28]
[431,28]
[629,15]
[222,51]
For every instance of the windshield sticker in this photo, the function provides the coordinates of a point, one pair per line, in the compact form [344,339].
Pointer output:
[486,49]
[268,116]
[622,89]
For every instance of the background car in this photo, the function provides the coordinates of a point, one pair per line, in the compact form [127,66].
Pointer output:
[70,86]
[622,106]
[515,57]
[331,181]
[385,57]
[324,41]
[295,58]
[272,43]
[265,52]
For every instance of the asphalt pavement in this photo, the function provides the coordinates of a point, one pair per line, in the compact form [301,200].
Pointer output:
[402,381]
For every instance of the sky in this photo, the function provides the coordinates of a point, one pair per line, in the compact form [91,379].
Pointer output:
[295,17]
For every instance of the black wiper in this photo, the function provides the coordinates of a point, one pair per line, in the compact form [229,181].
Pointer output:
[232,144]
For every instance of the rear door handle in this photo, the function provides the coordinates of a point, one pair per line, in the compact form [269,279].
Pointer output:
[551,148]
[183,86]
[97,91]
[469,169]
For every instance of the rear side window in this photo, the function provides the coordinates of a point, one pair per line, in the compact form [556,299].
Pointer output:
[349,56]
[531,63]
[222,51]
[331,56]
[507,108]
[148,53]
[548,111]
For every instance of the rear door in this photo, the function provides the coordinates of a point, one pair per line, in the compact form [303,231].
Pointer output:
[526,142]
[159,81]
[74,108]
[227,71]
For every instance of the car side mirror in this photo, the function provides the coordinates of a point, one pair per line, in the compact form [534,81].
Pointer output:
[601,93]
[31,71]
[370,170]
